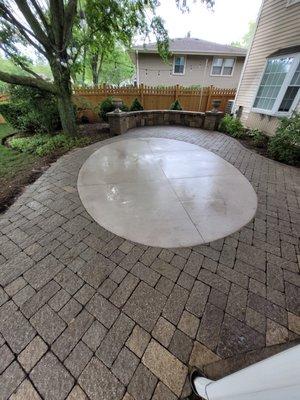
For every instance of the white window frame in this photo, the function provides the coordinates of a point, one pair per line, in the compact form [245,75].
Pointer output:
[184,65]
[287,80]
[291,2]
[221,74]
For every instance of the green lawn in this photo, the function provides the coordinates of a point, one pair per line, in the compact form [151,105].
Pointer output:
[11,161]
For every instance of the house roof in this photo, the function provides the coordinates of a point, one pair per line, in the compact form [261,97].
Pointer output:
[194,46]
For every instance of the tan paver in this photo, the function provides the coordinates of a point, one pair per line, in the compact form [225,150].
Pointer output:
[165,366]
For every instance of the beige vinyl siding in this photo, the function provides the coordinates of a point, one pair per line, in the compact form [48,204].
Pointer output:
[153,71]
[278,27]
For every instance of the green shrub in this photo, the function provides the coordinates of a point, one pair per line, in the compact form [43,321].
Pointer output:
[232,126]
[285,145]
[259,139]
[107,106]
[46,144]
[136,105]
[175,106]
[31,110]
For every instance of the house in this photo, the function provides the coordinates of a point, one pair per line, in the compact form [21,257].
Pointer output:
[269,86]
[193,62]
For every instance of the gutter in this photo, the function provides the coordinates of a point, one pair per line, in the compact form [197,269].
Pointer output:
[196,53]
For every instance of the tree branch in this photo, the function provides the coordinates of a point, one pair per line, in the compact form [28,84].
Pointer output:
[43,19]
[7,15]
[33,23]
[57,20]
[70,14]
[19,62]
[28,81]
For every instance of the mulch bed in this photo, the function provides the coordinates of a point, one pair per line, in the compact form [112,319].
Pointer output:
[248,143]
[12,189]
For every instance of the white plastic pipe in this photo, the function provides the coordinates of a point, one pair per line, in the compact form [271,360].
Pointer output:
[276,378]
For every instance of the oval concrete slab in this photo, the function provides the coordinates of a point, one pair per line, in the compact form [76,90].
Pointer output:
[165,193]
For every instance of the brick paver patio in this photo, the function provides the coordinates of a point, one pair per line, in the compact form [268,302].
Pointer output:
[88,315]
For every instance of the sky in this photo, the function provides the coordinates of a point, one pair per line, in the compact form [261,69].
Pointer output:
[227,23]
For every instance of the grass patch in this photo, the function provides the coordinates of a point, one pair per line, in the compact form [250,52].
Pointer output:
[44,145]
[27,157]
[11,161]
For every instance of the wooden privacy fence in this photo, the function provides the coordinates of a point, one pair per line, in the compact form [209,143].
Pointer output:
[152,98]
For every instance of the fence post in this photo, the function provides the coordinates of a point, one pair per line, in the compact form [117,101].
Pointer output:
[209,97]
[142,93]
[176,92]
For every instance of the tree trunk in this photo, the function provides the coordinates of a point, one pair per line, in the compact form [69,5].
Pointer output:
[94,67]
[64,100]
[83,66]
[67,114]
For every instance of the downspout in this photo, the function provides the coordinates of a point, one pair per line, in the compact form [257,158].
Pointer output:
[137,68]
[275,378]
[203,80]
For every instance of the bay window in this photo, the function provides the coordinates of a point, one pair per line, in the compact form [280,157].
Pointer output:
[278,91]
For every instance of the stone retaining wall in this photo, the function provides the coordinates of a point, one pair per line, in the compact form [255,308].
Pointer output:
[121,122]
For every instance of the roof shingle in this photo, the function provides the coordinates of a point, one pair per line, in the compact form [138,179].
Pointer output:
[194,46]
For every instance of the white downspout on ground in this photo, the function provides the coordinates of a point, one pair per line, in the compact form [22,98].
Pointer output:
[276,378]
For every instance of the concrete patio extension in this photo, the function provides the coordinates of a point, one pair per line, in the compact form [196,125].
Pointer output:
[164,192]
[85,314]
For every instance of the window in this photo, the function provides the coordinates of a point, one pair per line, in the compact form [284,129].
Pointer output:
[279,87]
[291,92]
[179,65]
[222,66]
[291,2]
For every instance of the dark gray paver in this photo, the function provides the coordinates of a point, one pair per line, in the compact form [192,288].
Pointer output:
[94,335]
[236,337]
[15,328]
[181,346]
[39,299]
[70,310]
[99,383]
[14,268]
[145,305]
[78,359]
[6,357]
[103,310]
[142,384]
[51,378]
[125,365]
[115,339]
[48,324]
[72,334]
[198,298]
[10,380]
[43,272]
[96,271]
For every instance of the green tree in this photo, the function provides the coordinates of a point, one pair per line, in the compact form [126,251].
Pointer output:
[247,38]
[49,27]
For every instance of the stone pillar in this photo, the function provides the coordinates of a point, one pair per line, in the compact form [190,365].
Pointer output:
[212,120]
[117,122]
